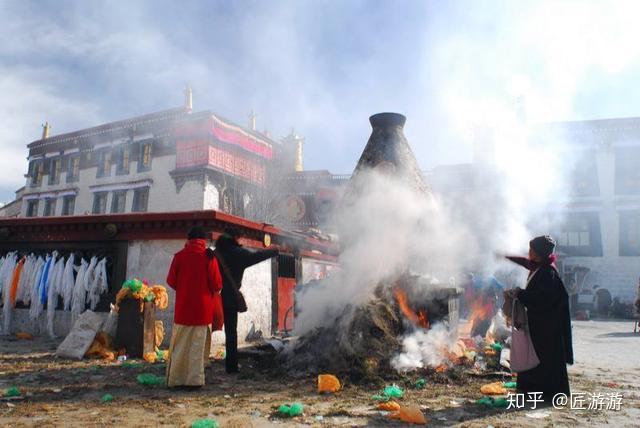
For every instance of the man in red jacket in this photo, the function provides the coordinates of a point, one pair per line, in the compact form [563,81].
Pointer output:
[196,279]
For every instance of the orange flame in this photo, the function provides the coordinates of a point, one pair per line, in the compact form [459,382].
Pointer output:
[420,319]
[479,311]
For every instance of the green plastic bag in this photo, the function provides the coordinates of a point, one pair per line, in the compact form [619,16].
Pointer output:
[421,383]
[132,365]
[134,285]
[393,391]
[107,398]
[485,401]
[510,385]
[12,392]
[205,423]
[149,379]
[294,409]
[500,402]
[378,397]
[497,347]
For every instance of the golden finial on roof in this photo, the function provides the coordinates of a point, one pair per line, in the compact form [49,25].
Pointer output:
[46,129]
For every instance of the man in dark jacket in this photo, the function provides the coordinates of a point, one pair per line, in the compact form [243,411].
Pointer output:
[236,259]
[547,304]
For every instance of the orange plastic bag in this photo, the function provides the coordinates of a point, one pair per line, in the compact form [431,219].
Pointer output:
[411,415]
[328,383]
[390,406]
[495,388]
[150,357]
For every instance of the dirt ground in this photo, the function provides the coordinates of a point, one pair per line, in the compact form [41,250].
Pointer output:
[68,393]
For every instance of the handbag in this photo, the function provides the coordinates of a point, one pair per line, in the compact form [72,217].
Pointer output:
[241,303]
[523,354]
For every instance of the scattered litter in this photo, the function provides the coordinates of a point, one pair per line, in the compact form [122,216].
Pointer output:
[150,357]
[57,390]
[412,415]
[122,358]
[107,398]
[389,406]
[612,385]
[498,403]
[227,396]
[537,415]
[497,346]
[319,418]
[442,418]
[24,336]
[420,383]
[510,385]
[255,414]
[220,353]
[132,365]
[393,391]
[205,423]
[378,397]
[149,379]
[294,409]
[455,403]
[328,383]
[11,405]
[12,392]
[495,388]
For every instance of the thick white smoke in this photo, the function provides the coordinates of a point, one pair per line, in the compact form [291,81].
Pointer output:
[390,228]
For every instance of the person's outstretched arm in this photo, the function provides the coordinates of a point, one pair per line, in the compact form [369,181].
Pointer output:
[250,258]
[522,261]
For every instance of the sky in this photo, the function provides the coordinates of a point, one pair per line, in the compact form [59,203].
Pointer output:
[322,67]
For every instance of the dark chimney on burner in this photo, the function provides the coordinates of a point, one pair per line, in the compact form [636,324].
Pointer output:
[388,150]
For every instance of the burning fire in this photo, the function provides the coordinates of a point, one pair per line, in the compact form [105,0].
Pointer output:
[419,319]
[480,311]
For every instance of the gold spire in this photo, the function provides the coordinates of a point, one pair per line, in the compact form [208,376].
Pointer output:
[46,129]
[188,99]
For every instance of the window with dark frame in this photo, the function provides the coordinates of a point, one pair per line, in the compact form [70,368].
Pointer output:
[54,171]
[629,233]
[580,235]
[32,208]
[49,207]
[124,152]
[118,202]
[68,204]
[100,203]
[140,200]
[104,163]
[37,173]
[73,168]
[144,161]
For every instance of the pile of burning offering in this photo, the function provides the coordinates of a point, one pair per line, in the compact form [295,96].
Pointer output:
[364,343]
[374,320]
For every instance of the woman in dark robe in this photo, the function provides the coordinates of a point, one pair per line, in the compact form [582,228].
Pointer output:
[236,259]
[547,304]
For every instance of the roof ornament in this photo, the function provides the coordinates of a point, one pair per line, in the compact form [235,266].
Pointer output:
[46,129]
[252,120]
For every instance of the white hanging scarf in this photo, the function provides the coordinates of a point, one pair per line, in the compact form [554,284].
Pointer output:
[8,268]
[52,294]
[99,284]
[68,282]
[79,293]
